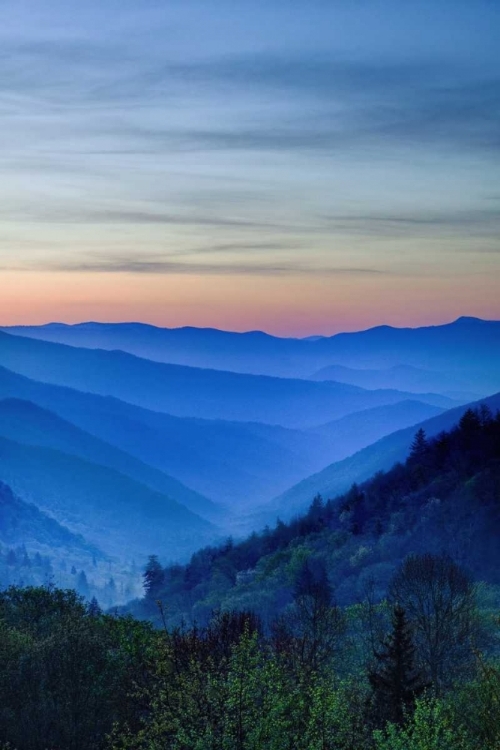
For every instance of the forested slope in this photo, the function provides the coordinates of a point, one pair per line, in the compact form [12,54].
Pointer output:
[444,498]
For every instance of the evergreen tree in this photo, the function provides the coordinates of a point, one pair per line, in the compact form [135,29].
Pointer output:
[419,446]
[419,459]
[153,576]
[395,681]
[82,585]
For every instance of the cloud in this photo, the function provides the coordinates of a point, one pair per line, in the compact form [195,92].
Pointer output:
[433,222]
[292,102]
[160,264]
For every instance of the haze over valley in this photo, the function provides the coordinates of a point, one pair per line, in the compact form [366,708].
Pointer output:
[249,375]
[136,455]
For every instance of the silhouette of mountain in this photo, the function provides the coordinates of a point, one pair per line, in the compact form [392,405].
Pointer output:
[355,431]
[401,377]
[27,423]
[22,523]
[441,499]
[193,392]
[121,516]
[381,455]
[240,464]
[468,346]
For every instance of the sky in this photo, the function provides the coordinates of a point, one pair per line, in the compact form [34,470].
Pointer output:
[296,167]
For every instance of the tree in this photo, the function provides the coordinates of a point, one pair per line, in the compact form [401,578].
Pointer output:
[66,676]
[153,576]
[82,585]
[429,729]
[419,446]
[395,680]
[309,633]
[439,600]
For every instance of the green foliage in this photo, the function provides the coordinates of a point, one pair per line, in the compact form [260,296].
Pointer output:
[430,728]
[310,674]
[65,675]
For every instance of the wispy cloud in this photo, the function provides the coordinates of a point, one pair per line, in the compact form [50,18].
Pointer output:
[431,222]
[252,154]
[160,264]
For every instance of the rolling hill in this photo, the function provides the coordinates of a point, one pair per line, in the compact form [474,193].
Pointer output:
[239,464]
[468,347]
[356,431]
[22,523]
[123,517]
[193,392]
[28,423]
[442,499]
[401,377]
[381,455]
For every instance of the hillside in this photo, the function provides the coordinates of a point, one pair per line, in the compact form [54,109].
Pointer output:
[239,464]
[382,454]
[350,434]
[122,516]
[467,347]
[27,423]
[23,523]
[193,392]
[400,377]
[444,499]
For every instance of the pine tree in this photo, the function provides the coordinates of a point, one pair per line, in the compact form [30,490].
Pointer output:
[153,576]
[419,446]
[419,459]
[395,681]
[82,585]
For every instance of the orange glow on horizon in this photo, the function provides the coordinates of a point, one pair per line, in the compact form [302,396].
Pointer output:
[282,305]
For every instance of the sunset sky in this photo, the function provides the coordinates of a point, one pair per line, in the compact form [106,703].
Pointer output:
[298,167]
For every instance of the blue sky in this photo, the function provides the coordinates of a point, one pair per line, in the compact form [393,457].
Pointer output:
[170,147]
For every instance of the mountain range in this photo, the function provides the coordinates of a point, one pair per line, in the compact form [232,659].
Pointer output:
[131,439]
[462,355]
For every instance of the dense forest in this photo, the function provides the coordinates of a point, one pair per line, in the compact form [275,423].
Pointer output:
[370,623]
[416,672]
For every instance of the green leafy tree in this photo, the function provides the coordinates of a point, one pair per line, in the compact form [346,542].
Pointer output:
[431,728]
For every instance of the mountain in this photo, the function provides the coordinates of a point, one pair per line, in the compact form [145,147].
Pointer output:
[193,392]
[381,455]
[468,347]
[120,515]
[28,423]
[22,523]
[239,464]
[443,499]
[400,377]
[355,431]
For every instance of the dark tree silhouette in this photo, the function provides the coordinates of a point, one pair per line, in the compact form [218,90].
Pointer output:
[394,679]
[153,576]
[439,600]
[419,446]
